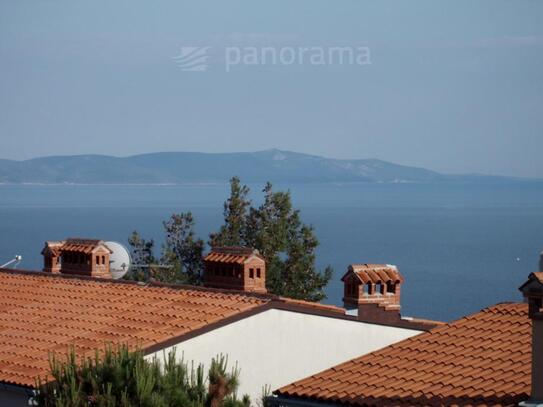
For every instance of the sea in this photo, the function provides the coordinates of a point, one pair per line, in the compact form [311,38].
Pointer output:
[460,247]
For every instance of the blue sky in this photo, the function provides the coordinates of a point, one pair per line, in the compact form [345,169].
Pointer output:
[455,86]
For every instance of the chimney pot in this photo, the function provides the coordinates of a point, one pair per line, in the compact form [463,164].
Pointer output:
[88,257]
[372,291]
[235,268]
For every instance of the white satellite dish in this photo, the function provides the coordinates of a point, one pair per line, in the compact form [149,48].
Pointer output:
[119,260]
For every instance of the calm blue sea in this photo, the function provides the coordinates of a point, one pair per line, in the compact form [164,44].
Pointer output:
[460,247]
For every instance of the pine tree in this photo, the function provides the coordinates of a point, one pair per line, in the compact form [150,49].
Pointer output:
[124,378]
[142,253]
[287,244]
[182,249]
[181,258]
[274,228]
[233,232]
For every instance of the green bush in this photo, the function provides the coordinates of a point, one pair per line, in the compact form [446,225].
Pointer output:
[120,377]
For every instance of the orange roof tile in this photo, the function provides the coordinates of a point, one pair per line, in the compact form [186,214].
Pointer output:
[231,254]
[40,313]
[75,244]
[315,305]
[375,273]
[482,359]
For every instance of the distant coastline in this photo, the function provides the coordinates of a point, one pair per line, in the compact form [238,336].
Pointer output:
[189,168]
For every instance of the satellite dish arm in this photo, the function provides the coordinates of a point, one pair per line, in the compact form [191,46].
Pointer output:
[15,261]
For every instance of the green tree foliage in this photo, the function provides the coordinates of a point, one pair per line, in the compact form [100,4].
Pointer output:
[183,250]
[125,378]
[276,230]
[233,231]
[142,252]
[181,258]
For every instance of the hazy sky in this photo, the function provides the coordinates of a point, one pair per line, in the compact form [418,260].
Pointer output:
[454,86]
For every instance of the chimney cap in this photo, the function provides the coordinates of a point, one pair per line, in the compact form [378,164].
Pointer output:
[533,294]
[232,254]
[375,273]
[534,284]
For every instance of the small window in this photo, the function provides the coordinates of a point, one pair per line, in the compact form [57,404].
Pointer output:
[97,259]
[391,287]
[378,288]
[251,273]
[103,259]
[257,273]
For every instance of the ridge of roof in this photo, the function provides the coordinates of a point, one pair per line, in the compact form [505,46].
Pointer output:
[480,359]
[42,312]
[153,283]
[261,296]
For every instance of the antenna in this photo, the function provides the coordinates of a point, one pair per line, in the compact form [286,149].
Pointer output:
[15,261]
[119,260]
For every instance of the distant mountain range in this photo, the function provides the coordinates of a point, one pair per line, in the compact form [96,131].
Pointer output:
[186,167]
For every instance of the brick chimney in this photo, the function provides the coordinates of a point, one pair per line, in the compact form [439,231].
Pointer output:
[533,295]
[372,292]
[236,268]
[51,256]
[87,257]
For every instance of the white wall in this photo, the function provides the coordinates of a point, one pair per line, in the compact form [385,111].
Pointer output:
[277,347]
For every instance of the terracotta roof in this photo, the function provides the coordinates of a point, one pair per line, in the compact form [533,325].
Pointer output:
[375,273]
[231,254]
[42,313]
[315,305]
[482,359]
